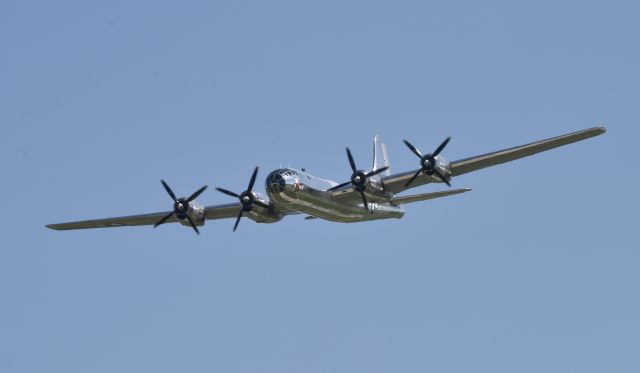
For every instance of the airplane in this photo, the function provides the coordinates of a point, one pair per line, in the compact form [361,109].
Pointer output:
[367,195]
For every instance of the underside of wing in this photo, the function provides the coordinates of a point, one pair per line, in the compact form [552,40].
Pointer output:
[398,182]
[210,213]
[466,165]
[226,211]
[121,221]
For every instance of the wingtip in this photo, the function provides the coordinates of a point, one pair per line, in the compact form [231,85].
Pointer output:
[599,130]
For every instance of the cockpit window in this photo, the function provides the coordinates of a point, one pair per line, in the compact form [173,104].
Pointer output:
[285,172]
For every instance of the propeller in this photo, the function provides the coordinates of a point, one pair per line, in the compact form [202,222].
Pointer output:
[180,206]
[428,162]
[247,198]
[359,179]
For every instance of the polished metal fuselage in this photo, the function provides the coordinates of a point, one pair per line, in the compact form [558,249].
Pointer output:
[298,191]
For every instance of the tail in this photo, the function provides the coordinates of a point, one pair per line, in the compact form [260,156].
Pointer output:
[423,197]
[380,158]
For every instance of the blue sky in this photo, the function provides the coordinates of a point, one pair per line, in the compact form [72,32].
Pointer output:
[534,270]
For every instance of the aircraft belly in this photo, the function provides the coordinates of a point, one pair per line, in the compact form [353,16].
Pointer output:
[318,204]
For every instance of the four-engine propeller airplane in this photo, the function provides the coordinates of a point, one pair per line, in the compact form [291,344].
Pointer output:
[368,195]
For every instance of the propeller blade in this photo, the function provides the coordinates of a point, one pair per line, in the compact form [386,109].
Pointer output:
[441,176]
[364,200]
[192,224]
[235,226]
[338,186]
[412,178]
[163,219]
[253,179]
[196,194]
[413,149]
[228,192]
[441,147]
[166,187]
[378,171]
[351,161]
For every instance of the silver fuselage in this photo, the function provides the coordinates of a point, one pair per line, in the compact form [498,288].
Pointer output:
[298,191]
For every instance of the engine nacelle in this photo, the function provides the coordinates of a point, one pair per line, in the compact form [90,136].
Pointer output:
[264,216]
[443,166]
[260,214]
[196,213]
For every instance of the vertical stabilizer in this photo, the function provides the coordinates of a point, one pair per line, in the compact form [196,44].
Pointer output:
[380,158]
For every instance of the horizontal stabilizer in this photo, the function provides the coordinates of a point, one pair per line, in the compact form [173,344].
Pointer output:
[426,196]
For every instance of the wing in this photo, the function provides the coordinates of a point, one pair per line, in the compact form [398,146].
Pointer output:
[396,183]
[210,213]
[466,165]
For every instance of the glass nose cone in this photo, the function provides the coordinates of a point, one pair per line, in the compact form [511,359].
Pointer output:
[275,181]
[278,179]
